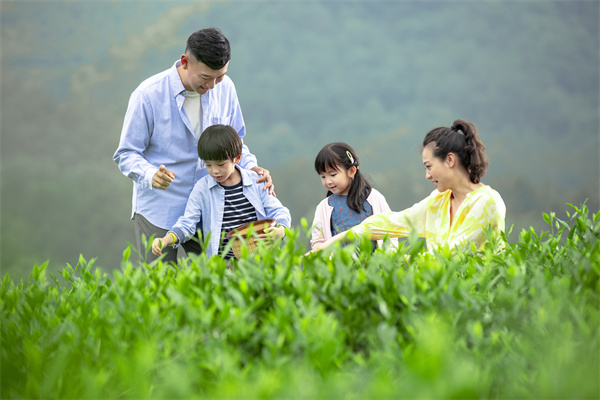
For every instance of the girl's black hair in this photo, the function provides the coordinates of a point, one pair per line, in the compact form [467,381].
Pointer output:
[462,140]
[338,156]
[219,143]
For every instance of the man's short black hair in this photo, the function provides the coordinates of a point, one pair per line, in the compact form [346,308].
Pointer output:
[210,47]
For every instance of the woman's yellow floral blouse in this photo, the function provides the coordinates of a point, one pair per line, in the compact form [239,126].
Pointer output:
[431,219]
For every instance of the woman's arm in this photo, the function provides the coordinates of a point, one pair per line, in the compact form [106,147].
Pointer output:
[375,227]
[342,237]
[394,224]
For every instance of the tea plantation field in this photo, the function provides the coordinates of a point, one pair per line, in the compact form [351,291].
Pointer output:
[518,322]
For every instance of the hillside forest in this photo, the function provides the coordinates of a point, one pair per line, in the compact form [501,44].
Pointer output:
[375,74]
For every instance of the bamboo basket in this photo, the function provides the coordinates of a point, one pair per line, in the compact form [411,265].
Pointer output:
[246,232]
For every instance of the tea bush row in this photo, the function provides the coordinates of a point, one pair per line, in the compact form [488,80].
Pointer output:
[522,322]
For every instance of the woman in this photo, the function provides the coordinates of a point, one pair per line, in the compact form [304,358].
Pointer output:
[460,208]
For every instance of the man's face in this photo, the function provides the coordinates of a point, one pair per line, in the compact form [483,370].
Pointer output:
[198,77]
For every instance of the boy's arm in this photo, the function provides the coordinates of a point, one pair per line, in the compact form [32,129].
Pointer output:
[185,227]
[274,209]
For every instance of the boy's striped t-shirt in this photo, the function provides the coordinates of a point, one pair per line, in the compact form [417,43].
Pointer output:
[237,211]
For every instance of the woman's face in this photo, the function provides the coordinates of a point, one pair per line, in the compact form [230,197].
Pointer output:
[436,170]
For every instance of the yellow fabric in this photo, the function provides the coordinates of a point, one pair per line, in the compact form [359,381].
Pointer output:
[431,219]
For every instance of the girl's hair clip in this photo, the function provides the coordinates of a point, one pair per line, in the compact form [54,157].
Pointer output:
[350,157]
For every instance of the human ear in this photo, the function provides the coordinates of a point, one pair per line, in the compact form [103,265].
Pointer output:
[352,171]
[451,159]
[184,61]
[237,159]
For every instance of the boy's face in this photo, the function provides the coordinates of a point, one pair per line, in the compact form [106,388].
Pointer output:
[224,171]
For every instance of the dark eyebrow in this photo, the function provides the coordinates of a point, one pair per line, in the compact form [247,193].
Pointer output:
[210,76]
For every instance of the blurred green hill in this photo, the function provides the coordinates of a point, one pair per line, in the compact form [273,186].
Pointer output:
[375,74]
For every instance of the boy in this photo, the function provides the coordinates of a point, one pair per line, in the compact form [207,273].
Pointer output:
[226,198]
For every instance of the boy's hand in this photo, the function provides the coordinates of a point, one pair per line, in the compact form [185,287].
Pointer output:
[162,178]
[157,246]
[265,176]
[273,233]
[160,243]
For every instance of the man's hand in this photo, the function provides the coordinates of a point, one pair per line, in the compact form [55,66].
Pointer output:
[162,178]
[265,176]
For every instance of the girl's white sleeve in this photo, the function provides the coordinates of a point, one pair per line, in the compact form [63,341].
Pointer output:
[318,229]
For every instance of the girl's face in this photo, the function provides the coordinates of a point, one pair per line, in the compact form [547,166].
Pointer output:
[338,181]
[436,170]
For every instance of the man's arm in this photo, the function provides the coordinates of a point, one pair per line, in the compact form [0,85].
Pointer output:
[135,137]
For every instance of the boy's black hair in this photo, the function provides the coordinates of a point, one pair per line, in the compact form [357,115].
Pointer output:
[219,143]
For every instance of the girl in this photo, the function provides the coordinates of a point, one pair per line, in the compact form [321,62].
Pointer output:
[350,198]
[460,208]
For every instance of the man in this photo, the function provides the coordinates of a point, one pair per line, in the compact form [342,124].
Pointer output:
[164,119]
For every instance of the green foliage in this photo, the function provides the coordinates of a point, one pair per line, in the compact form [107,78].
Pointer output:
[510,321]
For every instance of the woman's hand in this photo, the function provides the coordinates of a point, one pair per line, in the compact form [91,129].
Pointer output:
[316,247]
[342,237]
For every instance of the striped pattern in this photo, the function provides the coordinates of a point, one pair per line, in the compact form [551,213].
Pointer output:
[237,211]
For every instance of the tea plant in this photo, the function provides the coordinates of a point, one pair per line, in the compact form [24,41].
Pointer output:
[509,321]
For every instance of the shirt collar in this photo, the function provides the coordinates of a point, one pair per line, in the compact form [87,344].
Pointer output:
[177,87]
[246,177]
